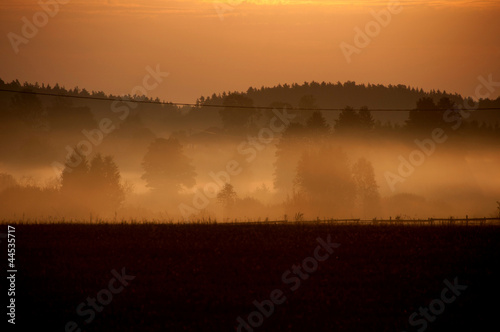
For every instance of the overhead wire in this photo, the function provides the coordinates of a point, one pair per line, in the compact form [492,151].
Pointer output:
[158,102]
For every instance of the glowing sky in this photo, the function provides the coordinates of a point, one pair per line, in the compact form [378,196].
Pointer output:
[215,46]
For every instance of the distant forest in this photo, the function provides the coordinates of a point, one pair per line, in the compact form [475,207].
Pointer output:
[174,148]
[27,120]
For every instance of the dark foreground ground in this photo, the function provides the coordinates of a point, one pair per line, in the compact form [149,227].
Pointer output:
[203,277]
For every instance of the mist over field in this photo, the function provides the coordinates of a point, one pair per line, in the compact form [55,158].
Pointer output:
[249,110]
[315,150]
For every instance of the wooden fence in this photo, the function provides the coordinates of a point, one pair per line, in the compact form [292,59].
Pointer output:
[417,222]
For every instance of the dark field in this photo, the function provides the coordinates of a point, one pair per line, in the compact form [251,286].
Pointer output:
[203,277]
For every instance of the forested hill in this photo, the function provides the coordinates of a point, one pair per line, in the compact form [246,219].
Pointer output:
[310,95]
[325,95]
[337,95]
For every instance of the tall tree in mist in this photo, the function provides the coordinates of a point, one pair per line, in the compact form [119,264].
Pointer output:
[296,139]
[288,151]
[366,121]
[421,116]
[105,182]
[348,120]
[317,125]
[166,168]
[366,187]
[93,186]
[74,178]
[227,198]
[429,115]
[354,122]
[325,183]
[450,113]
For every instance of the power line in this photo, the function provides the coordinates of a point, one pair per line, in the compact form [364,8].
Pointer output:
[142,101]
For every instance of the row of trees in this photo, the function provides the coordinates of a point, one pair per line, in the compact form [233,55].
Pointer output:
[330,188]
[62,114]
[315,174]
[33,128]
[323,179]
[242,117]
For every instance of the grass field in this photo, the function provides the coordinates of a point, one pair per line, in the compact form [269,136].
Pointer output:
[203,277]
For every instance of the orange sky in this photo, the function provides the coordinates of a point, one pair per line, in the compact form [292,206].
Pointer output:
[106,45]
